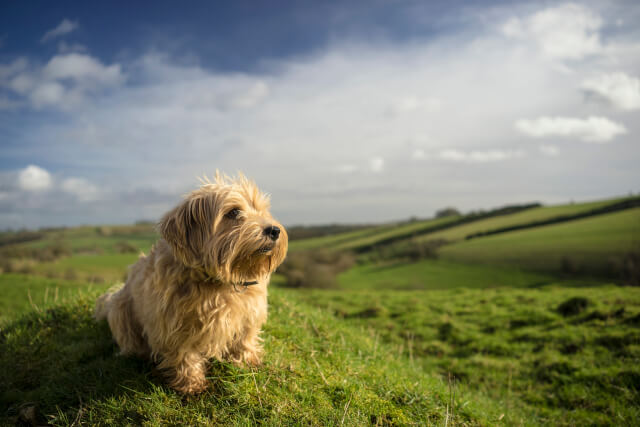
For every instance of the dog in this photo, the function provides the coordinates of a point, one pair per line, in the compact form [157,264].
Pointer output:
[201,293]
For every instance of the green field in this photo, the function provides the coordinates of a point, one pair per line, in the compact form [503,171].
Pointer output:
[334,239]
[369,236]
[95,267]
[21,294]
[524,327]
[524,217]
[551,355]
[442,274]
[100,239]
[590,243]
[318,370]
[468,357]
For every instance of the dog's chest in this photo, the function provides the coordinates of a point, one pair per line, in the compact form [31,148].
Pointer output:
[224,318]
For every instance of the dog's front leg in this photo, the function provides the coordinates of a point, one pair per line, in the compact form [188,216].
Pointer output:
[185,373]
[248,350]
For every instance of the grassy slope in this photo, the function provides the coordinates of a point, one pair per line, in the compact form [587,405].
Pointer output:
[102,237]
[438,274]
[333,239]
[319,370]
[369,236]
[21,293]
[591,242]
[368,356]
[95,251]
[108,267]
[513,345]
[524,217]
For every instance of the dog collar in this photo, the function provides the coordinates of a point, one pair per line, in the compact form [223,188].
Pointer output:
[245,285]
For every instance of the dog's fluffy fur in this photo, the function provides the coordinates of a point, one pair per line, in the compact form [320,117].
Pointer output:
[193,298]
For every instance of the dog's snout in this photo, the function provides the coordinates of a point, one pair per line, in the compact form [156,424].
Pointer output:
[272,231]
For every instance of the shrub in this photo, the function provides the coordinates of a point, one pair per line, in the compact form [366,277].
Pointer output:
[630,271]
[448,211]
[48,253]
[70,274]
[568,265]
[412,250]
[315,269]
[124,247]
[573,306]
[104,231]
[13,237]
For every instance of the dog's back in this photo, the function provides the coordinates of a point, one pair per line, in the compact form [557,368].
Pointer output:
[116,306]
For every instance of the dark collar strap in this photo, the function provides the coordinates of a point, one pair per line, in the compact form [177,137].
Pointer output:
[245,285]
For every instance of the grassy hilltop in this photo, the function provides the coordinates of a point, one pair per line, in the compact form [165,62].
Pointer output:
[514,316]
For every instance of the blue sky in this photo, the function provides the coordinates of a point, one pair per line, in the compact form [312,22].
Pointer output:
[343,111]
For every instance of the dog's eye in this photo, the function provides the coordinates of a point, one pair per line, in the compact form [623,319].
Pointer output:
[232,214]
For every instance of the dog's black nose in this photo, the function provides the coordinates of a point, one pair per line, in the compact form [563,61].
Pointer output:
[272,231]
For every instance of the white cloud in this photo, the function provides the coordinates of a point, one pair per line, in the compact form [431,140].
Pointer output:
[418,154]
[251,97]
[82,67]
[568,31]
[619,89]
[11,69]
[410,104]
[21,83]
[82,189]
[34,178]
[376,164]
[63,83]
[347,168]
[65,27]
[549,150]
[48,93]
[479,156]
[591,129]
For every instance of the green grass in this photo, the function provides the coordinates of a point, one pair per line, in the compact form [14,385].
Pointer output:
[21,293]
[590,243]
[441,274]
[335,239]
[365,357]
[525,349]
[369,236]
[105,267]
[103,239]
[318,370]
[524,217]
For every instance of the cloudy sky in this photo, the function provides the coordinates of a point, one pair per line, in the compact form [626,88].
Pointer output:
[343,111]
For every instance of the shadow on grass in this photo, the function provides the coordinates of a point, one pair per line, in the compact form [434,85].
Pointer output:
[53,363]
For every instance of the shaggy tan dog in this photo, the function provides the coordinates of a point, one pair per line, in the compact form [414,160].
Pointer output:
[201,292]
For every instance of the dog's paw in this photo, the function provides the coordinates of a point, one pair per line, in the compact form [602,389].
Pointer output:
[252,359]
[190,385]
[191,388]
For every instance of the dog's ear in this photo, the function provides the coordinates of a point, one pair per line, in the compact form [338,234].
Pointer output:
[185,228]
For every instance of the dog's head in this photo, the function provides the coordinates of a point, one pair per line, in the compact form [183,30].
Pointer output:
[225,229]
